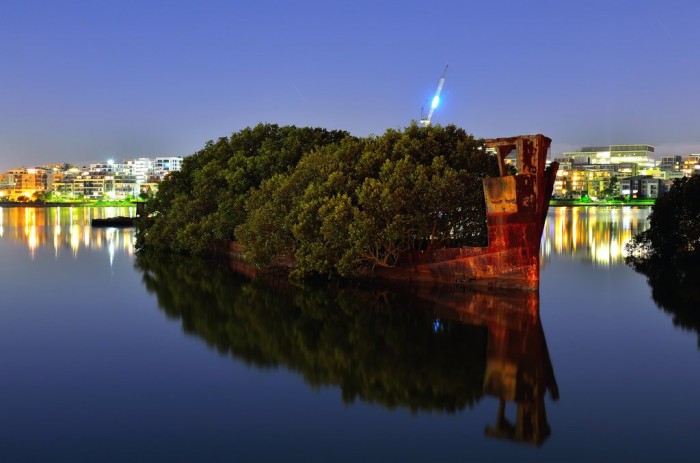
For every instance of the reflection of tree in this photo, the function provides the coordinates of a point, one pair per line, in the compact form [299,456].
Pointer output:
[674,289]
[422,350]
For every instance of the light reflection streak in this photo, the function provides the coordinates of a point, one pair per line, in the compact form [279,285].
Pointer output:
[66,228]
[596,234]
[56,239]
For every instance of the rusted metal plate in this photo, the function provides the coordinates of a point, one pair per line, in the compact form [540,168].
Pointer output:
[516,207]
[499,193]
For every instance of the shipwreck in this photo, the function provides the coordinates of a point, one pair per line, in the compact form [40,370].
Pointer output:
[516,209]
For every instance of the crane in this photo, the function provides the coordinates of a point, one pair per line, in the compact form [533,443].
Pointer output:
[425,120]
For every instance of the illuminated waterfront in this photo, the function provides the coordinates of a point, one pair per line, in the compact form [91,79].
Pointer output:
[61,229]
[593,234]
[110,357]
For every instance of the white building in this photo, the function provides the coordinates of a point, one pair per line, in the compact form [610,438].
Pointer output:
[640,154]
[140,168]
[164,165]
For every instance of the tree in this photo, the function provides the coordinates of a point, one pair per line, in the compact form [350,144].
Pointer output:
[322,201]
[364,202]
[613,188]
[674,225]
[204,201]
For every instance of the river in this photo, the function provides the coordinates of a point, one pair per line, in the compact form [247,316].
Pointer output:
[106,356]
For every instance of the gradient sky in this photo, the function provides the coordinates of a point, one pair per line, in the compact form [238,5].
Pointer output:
[84,81]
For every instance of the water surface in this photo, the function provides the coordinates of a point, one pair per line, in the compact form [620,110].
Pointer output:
[106,357]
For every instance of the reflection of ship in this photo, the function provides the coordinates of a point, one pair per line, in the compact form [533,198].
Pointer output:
[516,208]
[418,348]
[518,366]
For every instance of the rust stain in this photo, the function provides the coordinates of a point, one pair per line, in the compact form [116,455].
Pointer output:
[516,210]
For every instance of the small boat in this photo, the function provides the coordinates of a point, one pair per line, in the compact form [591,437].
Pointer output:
[119,221]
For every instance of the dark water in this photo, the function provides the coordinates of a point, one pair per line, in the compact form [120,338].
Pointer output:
[105,357]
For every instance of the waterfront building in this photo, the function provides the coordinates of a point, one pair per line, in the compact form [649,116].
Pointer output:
[576,181]
[691,165]
[26,182]
[591,170]
[101,180]
[7,183]
[64,186]
[125,186]
[162,166]
[670,163]
[642,186]
[140,168]
[671,167]
[93,186]
[639,154]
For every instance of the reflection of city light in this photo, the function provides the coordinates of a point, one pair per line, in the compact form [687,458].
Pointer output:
[32,240]
[110,249]
[56,239]
[75,238]
[110,245]
[30,229]
[69,227]
[598,235]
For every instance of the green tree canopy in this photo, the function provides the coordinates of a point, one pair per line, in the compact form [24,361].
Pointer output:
[365,201]
[204,201]
[321,201]
[674,225]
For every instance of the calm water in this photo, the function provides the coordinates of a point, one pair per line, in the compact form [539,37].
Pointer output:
[105,357]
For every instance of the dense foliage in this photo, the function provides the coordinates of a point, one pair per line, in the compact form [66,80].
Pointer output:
[667,252]
[377,346]
[204,201]
[339,203]
[673,235]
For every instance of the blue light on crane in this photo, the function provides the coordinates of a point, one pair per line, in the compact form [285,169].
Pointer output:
[436,101]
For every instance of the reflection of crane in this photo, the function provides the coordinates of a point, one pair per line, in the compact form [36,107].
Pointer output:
[425,120]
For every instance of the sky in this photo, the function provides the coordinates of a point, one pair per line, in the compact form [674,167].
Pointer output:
[87,81]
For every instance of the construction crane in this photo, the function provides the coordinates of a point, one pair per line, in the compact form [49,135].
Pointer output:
[425,120]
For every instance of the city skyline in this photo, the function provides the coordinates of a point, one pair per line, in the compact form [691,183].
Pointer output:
[85,82]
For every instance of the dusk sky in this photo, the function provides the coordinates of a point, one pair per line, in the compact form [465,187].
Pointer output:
[85,81]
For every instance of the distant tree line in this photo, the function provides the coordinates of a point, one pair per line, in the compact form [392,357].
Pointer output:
[323,202]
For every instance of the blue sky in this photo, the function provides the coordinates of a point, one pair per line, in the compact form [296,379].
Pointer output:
[84,81]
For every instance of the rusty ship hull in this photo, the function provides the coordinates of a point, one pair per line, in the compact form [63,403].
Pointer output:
[516,208]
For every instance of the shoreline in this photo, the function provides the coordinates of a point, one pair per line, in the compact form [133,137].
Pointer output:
[556,203]
[559,203]
[78,204]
